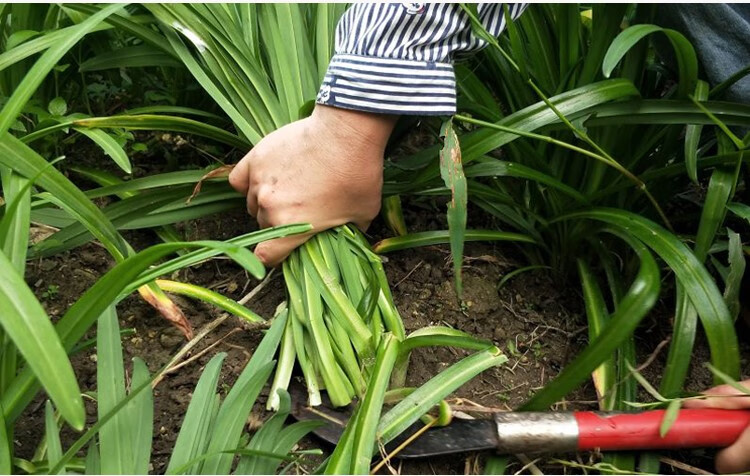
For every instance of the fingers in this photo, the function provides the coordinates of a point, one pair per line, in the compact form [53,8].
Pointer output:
[723,396]
[363,225]
[252,203]
[239,178]
[736,458]
[273,252]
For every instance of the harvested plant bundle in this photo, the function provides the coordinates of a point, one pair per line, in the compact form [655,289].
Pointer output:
[340,306]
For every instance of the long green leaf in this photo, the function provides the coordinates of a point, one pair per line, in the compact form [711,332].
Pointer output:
[452,172]
[425,397]
[110,147]
[129,57]
[597,316]
[193,437]
[698,283]
[28,326]
[693,135]
[81,315]
[643,293]
[52,433]
[227,429]
[6,447]
[44,65]
[115,440]
[24,161]
[687,61]
[429,238]
[140,414]
[365,433]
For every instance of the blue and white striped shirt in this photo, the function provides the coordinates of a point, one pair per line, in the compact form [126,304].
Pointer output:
[396,58]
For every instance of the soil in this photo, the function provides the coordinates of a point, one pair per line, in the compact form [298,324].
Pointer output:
[537,322]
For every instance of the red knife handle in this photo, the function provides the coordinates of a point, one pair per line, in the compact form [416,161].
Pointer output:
[561,432]
[693,428]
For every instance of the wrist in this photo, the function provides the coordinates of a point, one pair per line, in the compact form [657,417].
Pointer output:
[365,129]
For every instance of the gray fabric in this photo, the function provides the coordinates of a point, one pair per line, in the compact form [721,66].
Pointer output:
[720,34]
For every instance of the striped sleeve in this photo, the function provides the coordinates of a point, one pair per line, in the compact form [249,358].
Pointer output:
[396,58]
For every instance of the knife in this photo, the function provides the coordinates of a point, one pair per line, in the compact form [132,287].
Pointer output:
[551,432]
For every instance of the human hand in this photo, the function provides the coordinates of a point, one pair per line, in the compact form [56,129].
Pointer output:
[735,458]
[326,170]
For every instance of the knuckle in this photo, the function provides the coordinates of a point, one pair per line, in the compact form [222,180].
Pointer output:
[266,200]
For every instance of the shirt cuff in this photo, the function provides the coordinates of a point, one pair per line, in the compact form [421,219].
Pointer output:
[389,86]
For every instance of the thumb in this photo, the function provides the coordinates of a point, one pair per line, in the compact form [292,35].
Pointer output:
[723,396]
[273,252]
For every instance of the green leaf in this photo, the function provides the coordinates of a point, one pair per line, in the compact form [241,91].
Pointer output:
[130,57]
[727,380]
[93,462]
[151,122]
[664,111]
[366,424]
[194,431]
[110,147]
[604,376]
[410,409]
[57,107]
[52,433]
[643,293]
[572,104]
[211,297]
[699,285]
[84,312]
[670,416]
[24,320]
[740,209]
[233,413]
[693,135]
[6,448]
[115,439]
[18,37]
[452,173]
[687,61]
[429,238]
[501,168]
[24,161]
[442,336]
[733,285]
[721,125]
[44,65]
[140,414]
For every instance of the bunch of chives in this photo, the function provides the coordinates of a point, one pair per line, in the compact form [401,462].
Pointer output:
[340,305]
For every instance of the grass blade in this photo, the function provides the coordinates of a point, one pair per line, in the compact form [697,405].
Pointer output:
[733,286]
[52,432]
[139,56]
[233,413]
[604,376]
[429,238]
[109,146]
[140,415]
[211,297]
[37,73]
[643,293]
[693,135]
[699,285]
[115,439]
[194,431]
[453,175]
[31,331]
[437,388]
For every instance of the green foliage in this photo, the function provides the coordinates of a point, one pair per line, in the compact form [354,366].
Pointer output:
[597,140]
